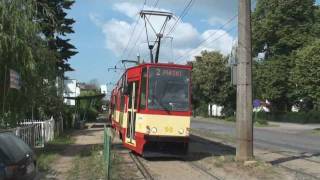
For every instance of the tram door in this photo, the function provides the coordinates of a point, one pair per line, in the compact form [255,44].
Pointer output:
[132,111]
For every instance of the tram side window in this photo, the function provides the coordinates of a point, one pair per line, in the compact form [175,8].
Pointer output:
[130,86]
[143,89]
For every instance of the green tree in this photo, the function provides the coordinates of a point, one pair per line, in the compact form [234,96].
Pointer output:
[212,82]
[25,48]
[306,73]
[284,26]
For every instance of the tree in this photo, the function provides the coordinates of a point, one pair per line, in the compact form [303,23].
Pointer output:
[306,73]
[25,47]
[284,26]
[212,82]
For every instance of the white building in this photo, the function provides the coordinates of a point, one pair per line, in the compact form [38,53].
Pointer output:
[70,90]
[103,89]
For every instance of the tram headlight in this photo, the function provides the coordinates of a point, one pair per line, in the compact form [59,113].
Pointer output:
[181,131]
[148,130]
[154,130]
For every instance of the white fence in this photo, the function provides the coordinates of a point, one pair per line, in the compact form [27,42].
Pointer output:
[36,133]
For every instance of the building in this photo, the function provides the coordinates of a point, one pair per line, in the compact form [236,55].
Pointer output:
[71,89]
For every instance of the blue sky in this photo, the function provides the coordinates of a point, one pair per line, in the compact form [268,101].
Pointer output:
[103,28]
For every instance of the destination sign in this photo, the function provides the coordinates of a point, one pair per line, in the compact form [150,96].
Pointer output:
[169,72]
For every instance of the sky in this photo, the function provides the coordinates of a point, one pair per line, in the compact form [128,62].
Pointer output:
[103,29]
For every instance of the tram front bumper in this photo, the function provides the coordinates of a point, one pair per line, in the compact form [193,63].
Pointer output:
[178,139]
[165,146]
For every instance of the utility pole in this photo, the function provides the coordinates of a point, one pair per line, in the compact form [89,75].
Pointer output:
[244,85]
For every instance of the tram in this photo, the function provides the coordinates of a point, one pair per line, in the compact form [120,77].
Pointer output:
[150,109]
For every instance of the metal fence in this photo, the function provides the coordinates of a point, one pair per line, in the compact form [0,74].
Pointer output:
[107,150]
[36,133]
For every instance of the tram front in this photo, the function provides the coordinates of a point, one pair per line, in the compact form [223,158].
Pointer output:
[166,110]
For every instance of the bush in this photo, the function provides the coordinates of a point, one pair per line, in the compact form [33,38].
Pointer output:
[293,117]
[89,114]
[230,118]
[259,121]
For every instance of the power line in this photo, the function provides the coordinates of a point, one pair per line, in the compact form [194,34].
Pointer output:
[221,28]
[140,32]
[210,36]
[212,41]
[132,33]
[182,15]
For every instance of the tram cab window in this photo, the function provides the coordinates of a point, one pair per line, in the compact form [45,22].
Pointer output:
[169,89]
[143,89]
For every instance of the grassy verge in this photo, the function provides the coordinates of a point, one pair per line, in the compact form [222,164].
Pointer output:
[51,151]
[205,133]
[316,131]
[231,120]
[88,164]
[258,169]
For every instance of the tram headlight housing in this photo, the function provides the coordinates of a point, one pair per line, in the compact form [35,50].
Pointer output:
[181,131]
[154,130]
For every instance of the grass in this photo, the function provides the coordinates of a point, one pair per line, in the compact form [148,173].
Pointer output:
[88,164]
[316,131]
[51,151]
[231,120]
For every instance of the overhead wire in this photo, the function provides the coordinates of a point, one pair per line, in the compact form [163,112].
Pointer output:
[133,31]
[156,2]
[210,36]
[212,41]
[181,16]
[140,32]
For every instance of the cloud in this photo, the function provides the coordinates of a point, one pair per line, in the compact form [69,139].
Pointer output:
[117,34]
[214,21]
[96,19]
[186,37]
[126,8]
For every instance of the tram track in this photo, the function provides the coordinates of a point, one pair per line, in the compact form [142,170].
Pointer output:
[144,171]
[302,157]
[197,166]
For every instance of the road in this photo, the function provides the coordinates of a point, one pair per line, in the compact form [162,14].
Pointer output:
[280,138]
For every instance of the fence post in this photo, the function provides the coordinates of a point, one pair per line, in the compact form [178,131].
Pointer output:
[107,150]
[33,136]
[42,134]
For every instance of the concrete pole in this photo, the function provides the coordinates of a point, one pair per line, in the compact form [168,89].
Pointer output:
[244,85]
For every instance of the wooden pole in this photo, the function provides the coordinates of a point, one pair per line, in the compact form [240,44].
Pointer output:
[244,85]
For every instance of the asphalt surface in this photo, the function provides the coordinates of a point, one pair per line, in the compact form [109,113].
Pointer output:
[271,138]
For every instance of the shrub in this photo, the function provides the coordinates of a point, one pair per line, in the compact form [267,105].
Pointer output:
[293,117]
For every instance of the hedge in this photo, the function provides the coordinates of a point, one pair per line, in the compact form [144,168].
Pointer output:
[292,117]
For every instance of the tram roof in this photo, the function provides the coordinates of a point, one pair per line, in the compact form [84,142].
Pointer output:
[161,65]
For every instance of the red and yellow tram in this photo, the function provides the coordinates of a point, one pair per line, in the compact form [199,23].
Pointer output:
[150,108]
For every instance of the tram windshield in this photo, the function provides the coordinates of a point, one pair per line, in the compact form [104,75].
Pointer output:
[169,89]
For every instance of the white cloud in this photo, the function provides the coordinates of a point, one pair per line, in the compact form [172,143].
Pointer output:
[186,37]
[116,35]
[126,8]
[96,19]
[215,21]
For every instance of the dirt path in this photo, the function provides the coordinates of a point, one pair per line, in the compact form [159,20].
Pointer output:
[84,140]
